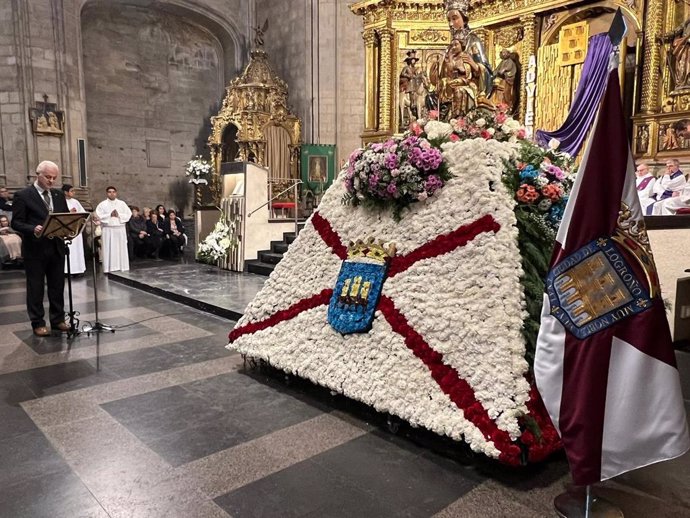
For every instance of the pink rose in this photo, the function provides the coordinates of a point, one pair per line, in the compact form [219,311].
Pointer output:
[416,128]
[454,137]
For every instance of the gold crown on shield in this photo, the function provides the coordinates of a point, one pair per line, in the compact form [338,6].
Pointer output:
[370,249]
[458,5]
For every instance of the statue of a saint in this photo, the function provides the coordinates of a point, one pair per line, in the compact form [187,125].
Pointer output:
[53,122]
[680,55]
[413,92]
[407,75]
[259,36]
[465,77]
[504,80]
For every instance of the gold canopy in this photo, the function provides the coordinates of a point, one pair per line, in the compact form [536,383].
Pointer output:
[254,108]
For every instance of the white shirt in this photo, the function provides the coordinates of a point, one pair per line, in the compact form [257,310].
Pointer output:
[40,193]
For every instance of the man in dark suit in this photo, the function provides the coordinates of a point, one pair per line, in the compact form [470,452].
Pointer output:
[44,259]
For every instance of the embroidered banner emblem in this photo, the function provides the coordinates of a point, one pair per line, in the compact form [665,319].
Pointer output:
[358,287]
[594,288]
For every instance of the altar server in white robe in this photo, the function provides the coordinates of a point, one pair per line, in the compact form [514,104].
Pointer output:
[644,183]
[77,263]
[114,214]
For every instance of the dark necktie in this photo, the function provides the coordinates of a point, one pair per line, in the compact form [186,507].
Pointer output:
[46,199]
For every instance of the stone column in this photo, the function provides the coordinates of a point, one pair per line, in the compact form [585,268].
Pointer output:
[385,108]
[370,121]
[529,47]
[652,56]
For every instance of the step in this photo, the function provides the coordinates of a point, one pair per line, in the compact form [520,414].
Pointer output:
[266,256]
[279,247]
[289,237]
[259,268]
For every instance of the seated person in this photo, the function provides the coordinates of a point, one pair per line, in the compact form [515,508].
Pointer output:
[174,232]
[5,203]
[670,206]
[645,185]
[154,229]
[664,187]
[10,242]
[138,239]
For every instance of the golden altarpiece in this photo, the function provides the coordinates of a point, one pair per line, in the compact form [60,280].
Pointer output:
[547,40]
[255,125]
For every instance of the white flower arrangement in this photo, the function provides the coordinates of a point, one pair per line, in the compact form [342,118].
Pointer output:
[219,242]
[198,171]
[467,304]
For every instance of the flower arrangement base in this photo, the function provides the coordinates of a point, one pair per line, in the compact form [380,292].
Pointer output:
[444,350]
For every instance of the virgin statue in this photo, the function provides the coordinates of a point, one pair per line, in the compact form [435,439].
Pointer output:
[680,51]
[465,76]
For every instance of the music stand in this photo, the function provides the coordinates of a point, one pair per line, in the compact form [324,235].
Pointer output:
[97,326]
[66,226]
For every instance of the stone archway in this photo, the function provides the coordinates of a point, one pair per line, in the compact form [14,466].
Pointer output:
[153,73]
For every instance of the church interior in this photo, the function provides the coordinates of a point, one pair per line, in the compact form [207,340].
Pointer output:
[310,157]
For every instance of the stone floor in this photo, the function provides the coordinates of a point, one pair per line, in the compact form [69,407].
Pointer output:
[159,420]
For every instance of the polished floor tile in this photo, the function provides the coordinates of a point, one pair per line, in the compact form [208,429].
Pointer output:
[187,422]
[160,420]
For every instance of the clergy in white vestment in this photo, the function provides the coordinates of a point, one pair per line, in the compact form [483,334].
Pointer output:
[113,214]
[673,181]
[644,184]
[77,264]
[670,206]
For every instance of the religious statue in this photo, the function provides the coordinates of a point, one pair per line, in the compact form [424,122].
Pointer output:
[53,122]
[414,88]
[680,55]
[260,31]
[505,76]
[465,76]
[669,138]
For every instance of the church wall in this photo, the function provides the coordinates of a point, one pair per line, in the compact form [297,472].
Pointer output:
[316,47]
[152,81]
[37,58]
[351,88]
[289,48]
[41,53]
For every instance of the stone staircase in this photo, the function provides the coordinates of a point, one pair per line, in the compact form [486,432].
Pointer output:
[268,259]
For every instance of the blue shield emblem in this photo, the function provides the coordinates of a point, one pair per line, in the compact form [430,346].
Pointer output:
[356,296]
[595,287]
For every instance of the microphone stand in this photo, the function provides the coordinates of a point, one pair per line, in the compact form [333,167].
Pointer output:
[73,321]
[97,327]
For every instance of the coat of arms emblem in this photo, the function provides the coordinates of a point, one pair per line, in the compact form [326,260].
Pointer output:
[359,284]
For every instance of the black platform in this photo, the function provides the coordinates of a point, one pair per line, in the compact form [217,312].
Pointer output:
[200,286]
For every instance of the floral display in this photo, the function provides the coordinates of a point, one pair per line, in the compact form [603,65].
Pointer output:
[446,349]
[540,180]
[498,125]
[217,244]
[198,171]
[394,174]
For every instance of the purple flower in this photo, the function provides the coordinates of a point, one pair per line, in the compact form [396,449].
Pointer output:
[556,172]
[373,181]
[392,189]
[355,155]
[391,161]
[432,184]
